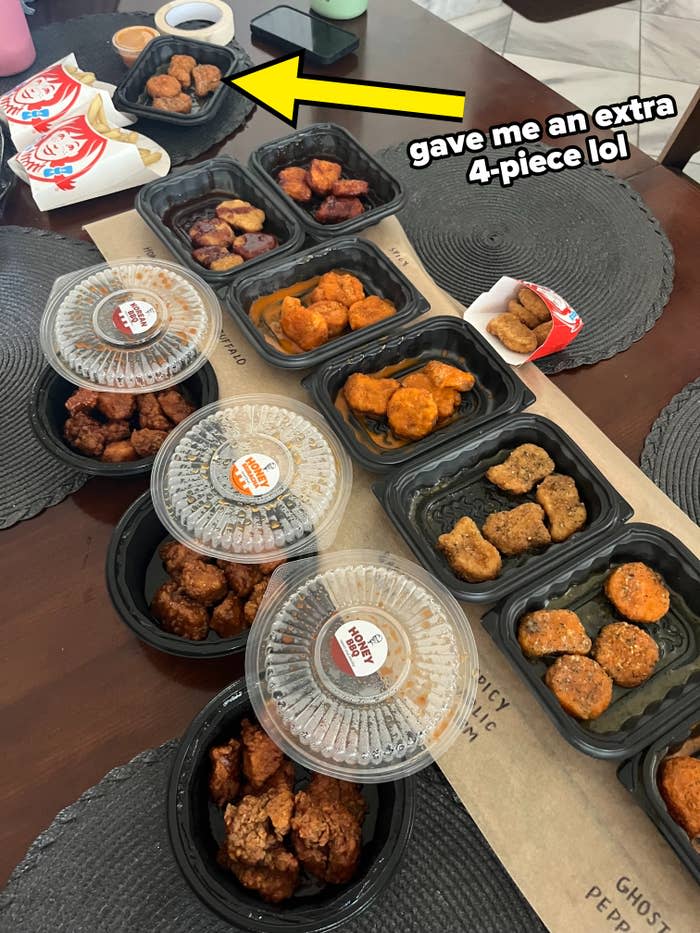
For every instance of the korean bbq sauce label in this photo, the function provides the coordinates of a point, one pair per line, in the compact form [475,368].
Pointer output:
[254,474]
[359,648]
[134,317]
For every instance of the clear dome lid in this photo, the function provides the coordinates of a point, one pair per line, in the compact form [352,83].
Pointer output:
[360,665]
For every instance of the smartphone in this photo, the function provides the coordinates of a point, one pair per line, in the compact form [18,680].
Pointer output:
[290,29]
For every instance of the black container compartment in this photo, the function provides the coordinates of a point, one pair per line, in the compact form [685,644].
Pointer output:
[636,715]
[497,392]
[640,776]
[130,95]
[427,497]
[333,143]
[196,830]
[171,205]
[48,414]
[360,257]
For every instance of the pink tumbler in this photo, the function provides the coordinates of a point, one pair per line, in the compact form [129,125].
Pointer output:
[16,47]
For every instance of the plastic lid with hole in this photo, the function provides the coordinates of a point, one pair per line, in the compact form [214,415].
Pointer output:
[360,665]
[130,326]
[252,479]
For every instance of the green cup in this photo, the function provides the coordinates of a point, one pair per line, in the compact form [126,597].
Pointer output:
[339,9]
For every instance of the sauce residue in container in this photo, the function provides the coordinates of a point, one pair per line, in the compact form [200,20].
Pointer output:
[265,313]
[131,41]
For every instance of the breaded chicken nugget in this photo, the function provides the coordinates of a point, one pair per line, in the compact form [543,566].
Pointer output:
[305,327]
[338,286]
[447,400]
[211,232]
[180,67]
[512,333]
[542,331]
[118,452]
[528,318]
[206,79]
[179,614]
[558,496]
[81,400]
[517,530]
[163,86]
[350,188]
[241,215]
[445,376]
[367,395]
[322,175]
[334,210]
[180,103]
[175,405]
[535,304]
[116,431]
[151,415]
[335,315]
[241,578]
[638,592]
[175,555]
[225,775]
[294,182]
[224,263]
[679,784]
[116,406]
[627,653]
[369,311]
[227,618]
[524,466]
[204,583]
[469,554]
[581,686]
[206,255]
[412,413]
[552,631]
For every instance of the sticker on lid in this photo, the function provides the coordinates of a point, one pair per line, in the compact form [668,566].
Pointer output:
[359,649]
[134,317]
[254,474]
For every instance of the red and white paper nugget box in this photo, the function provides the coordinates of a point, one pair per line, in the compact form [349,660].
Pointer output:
[566,323]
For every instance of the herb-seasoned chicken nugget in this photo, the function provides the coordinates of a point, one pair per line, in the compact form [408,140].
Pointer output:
[180,103]
[224,263]
[118,452]
[207,255]
[369,311]
[206,79]
[524,466]
[447,400]
[307,328]
[225,776]
[638,592]
[469,554]
[335,315]
[628,654]
[81,400]
[175,405]
[179,614]
[512,333]
[241,215]
[412,413]
[180,67]
[445,376]
[163,86]
[350,188]
[146,442]
[294,182]
[526,317]
[542,331]
[558,496]
[679,784]
[117,406]
[552,631]
[338,286]
[227,618]
[367,395]
[581,686]
[322,175]
[211,232]
[334,210]
[528,299]
[517,530]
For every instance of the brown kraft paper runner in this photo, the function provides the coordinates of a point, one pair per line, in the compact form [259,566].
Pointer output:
[582,852]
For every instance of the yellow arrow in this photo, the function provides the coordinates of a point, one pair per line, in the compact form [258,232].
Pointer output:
[280,87]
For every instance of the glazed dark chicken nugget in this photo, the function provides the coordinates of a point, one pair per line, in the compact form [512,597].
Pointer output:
[250,245]
[241,578]
[118,452]
[512,333]
[81,400]
[117,406]
[335,315]
[370,311]
[412,413]
[322,175]
[207,255]
[581,686]
[206,79]
[204,583]
[469,554]
[679,783]
[294,182]
[334,210]
[306,327]
[225,776]
[227,618]
[211,232]
[552,631]
[523,468]
[558,496]
[517,530]
[151,414]
[528,299]
[147,442]
[446,376]
[368,395]
[638,592]
[241,215]
[627,653]
[85,434]
[338,286]
[179,614]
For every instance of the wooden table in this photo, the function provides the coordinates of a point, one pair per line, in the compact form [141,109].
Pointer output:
[80,694]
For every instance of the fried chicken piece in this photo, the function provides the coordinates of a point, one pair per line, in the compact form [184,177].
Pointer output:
[250,245]
[211,232]
[175,556]
[468,553]
[334,210]
[322,175]
[116,431]
[367,395]
[412,413]
[517,530]
[267,569]
[206,79]
[225,776]
[679,783]
[350,188]
[307,328]
[281,779]
[151,414]
[118,452]
[206,255]
[84,434]
[327,838]
[638,592]
[227,618]
[542,331]
[250,610]
[204,583]
[581,686]
[338,286]
[116,406]
[347,793]
[526,317]
[552,631]
[528,299]
[81,400]
[293,181]
[627,653]
[241,215]
[447,400]
[179,614]
[445,376]
[558,496]
[147,442]
[334,313]
[181,103]
[370,311]
[261,757]
[524,466]
[227,262]
[180,67]
[163,86]
[272,885]
[512,333]
[175,405]
[241,578]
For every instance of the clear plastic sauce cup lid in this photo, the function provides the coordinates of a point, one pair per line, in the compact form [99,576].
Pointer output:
[360,665]
[252,479]
[130,326]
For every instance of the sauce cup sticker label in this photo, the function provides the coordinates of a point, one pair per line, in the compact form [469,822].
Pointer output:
[359,648]
[254,474]
[134,317]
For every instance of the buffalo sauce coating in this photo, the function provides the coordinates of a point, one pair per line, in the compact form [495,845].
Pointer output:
[265,313]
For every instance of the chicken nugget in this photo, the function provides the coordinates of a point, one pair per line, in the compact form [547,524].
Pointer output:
[147,442]
[445,376]
[181,103]
[558,496]
[530,300]
[350,188]
[294,182]
[326,836]
[628,654]
[526,317]
[84,434]
[250,609]
[412,413]
[679,783]
[206,79]
[175,405]
[447,400]
[524,466]
[370,311]
[224,263]
[178,614]
[512,333]
[469,554]
[227,618]
[261,757]
[116,406]
[250,245]
[367,395]
[180,67]
[338,286]
[225,775]
[335,210]
[307,328]
[84,400]
[211,232]
[116,431]
[517,530]
[241,215]
[151,415]
[241,578]
[334,313]
[163,86]
[206,255]
[542,331]
[269,567]
[204,583]
[118,452]
[552,631]
[638,592]
[581,686]
[175,556]
[322,175]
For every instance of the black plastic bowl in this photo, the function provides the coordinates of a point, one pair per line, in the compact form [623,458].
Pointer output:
[48,415]
[328,141]
[196,830]
[360,257]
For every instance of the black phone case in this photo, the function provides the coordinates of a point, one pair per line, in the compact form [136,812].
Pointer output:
[263,35]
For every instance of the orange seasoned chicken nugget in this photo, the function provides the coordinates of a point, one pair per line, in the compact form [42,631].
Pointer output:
[305,327]
[445,376]
[412,413]
[322,175]
[367,395]
[338,286]
[521,470]
[335,315]
[626,652]
[558,496]
[528,299]
[581,686]
[638,592]
[447,400]
[350,188]
[294,182]
[512,333]
[552,631]
[370,311]
[241,215]
[523,314]
[515,531]
[680,787]
[469,554]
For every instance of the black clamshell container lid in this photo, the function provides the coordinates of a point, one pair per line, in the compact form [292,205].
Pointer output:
[184,195]
[637,716]
[196,829]
[328,141]
[48,415]
[640,776]
[130,94]
[360,257]
[498,391]
[427,497]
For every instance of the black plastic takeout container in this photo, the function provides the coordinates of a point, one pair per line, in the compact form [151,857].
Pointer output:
[360,257]
[640,775]
[637,716]
[427,497]
[171,205]
[48,414]
[195,826]
[130,95]
[498,391]
[328,141]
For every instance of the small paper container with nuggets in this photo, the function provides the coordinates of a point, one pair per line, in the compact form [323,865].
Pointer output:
[566,323]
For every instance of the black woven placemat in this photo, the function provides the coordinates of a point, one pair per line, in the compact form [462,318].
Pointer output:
[586,233]
[90,37]
[671,454]
[105,866]
[30,261]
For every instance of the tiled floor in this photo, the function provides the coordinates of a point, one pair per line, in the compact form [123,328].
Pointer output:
[640,47]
